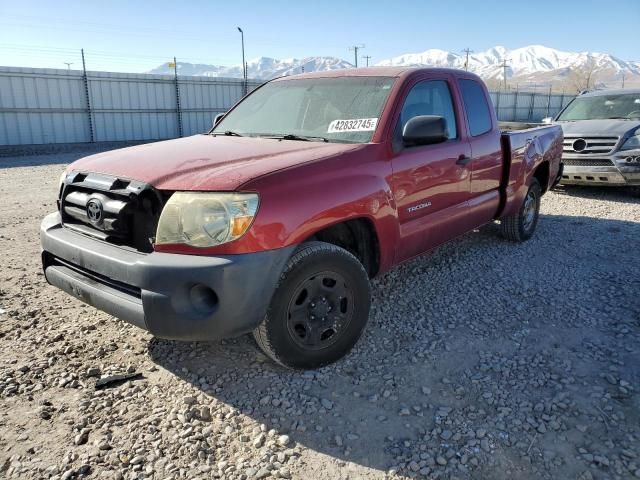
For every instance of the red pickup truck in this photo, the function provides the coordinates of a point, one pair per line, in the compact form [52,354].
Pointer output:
[275,220]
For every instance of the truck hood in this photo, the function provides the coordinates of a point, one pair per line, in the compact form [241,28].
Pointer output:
[206,162]
[615,128]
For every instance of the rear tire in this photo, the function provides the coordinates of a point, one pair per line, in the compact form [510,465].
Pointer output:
[319,309]
[521,226]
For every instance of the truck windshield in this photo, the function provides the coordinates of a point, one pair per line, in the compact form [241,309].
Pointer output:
[343,109]
[624,105]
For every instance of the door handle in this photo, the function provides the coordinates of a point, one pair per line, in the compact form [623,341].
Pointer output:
[463,160]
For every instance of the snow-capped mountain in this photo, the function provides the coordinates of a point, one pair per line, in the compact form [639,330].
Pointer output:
[534,64]
[262,68]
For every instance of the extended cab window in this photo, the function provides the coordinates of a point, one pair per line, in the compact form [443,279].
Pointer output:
[431,97]
[475,103]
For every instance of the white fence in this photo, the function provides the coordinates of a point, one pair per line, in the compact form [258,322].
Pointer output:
[43,106]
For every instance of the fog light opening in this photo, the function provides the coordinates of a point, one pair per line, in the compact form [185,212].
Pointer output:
[203,298]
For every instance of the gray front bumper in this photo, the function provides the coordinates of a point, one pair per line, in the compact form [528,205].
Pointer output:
[573,175]
[600,175]
[156,291]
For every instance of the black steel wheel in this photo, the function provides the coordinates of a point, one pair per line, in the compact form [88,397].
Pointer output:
[319,309]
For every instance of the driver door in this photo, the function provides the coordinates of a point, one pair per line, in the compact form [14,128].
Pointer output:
[431,183]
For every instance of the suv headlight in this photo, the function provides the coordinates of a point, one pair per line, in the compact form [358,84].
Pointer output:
[632,143]
[204,219]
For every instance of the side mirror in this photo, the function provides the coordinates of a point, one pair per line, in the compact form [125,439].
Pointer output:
[217,118]
[547,120]
[425,130]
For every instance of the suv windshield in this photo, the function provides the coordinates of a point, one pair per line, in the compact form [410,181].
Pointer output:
[626,105]
[343,109]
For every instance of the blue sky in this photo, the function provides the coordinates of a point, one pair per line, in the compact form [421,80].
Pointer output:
[137,35]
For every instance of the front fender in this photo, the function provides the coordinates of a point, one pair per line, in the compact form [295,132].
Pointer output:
[297,203]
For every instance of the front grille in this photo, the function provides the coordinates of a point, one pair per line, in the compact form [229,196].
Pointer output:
[588,162]
[115,210]
[586,145]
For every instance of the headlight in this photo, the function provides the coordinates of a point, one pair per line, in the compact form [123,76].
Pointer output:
[206,219]
[631,143]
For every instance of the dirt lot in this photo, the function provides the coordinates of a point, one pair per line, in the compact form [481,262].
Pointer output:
[484,360]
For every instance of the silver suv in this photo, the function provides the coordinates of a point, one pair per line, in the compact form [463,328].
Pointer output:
[602,138]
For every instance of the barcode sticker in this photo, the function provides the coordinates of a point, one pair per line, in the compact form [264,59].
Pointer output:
[354,125]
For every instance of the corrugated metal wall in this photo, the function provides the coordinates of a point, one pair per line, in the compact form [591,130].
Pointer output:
[514,106]
[40,106]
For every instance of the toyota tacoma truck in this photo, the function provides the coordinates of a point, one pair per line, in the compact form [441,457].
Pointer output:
[602,138]
[275,221]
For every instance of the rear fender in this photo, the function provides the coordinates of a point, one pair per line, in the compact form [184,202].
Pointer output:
[523,152]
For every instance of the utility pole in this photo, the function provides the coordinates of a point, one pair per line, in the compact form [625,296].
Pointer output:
[504,70]
[466,61]
[367,57]
[355,49]
[68,64]
[622,79]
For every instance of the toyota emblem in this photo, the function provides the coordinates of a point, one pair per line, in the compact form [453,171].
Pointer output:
[579,145]
[94,211]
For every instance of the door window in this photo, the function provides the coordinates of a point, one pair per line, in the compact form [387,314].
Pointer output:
[431,97]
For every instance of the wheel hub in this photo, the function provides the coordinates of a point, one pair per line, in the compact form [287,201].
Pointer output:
[319,310]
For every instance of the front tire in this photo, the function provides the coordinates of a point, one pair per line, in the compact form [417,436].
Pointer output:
[319,309]
[520,227]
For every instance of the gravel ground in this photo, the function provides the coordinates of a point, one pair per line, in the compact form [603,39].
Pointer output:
[484,360]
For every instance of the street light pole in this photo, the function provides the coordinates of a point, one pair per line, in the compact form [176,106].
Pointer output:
[244,65]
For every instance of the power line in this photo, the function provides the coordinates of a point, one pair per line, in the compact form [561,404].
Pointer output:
[49,57]
[355,49]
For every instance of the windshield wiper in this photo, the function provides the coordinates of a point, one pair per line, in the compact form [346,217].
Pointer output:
[228,133]
[302,138]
